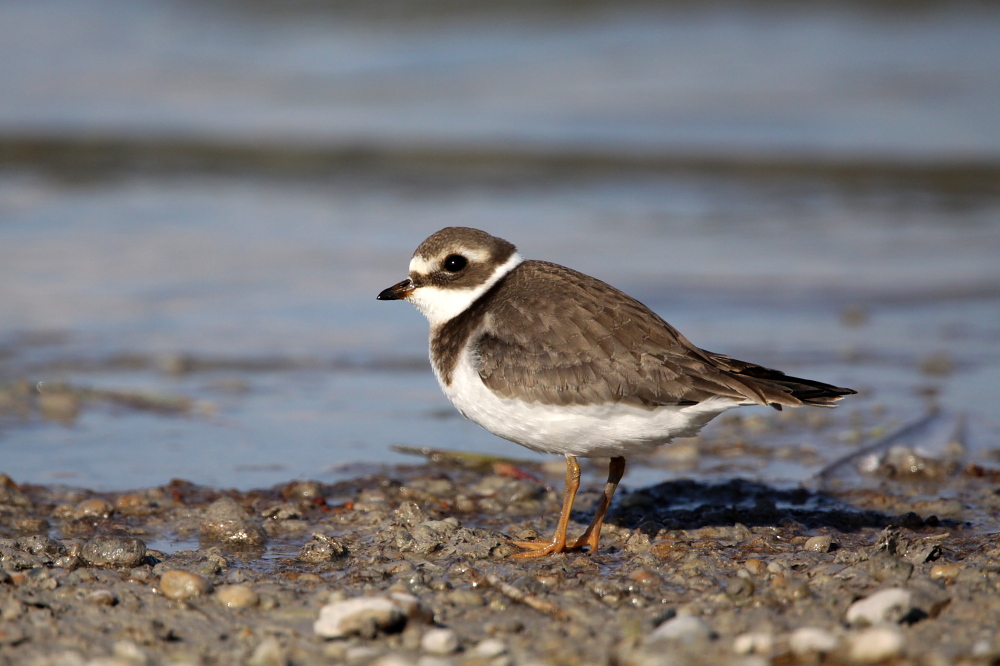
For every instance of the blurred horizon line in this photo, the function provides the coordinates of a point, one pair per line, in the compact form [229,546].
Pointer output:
[96,155]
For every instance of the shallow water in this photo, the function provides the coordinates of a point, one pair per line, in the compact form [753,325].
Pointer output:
[811,190]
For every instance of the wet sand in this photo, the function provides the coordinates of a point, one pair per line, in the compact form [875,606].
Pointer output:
[412,566]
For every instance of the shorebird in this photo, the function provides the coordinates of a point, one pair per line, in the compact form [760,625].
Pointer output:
[561,362]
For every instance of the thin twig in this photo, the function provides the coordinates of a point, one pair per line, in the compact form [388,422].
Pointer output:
[530,600]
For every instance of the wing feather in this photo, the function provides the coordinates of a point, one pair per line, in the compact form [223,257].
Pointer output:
[544,351]
[548,334]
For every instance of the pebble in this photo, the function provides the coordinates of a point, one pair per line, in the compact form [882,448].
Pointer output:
[141,575]
[875,644]
[101,598]
[439,641]
[776,568]
[428,536]
[808,640]
[364,616]
[739,588]
[466,598]
[758,642]
[286,511]
[321,548]
[179,584]
[43,547]
[409,514]
[226,521]
[489,648]
[884,606]
[683,628]
[303,491]
[30,524]
[237,596]
[818,544]
[646,577]
[115,548]
[946,572]
[885,567]
[790,589]
[93,508]
[134,505]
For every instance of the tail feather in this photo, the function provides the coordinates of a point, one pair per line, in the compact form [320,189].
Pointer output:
[780,389]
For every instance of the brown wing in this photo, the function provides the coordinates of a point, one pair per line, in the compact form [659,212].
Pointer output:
[560,337]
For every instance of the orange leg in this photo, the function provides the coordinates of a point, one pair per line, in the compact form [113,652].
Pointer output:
[593,534]
[558,543]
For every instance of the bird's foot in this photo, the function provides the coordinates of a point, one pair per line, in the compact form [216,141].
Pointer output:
[538,548]
[587,539]
[542,548]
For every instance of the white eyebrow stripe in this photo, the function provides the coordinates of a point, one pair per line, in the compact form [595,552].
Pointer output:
[422,265]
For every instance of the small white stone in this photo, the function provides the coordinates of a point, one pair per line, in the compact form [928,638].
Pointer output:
[439,641]
[683,628]
[345,618]
[806,640]
[758,642]
[885,606]
[875,644]
[489,648]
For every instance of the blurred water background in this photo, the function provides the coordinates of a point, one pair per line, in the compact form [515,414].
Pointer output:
[202,199]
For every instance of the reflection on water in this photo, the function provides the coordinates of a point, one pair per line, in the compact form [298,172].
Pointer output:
[203,200]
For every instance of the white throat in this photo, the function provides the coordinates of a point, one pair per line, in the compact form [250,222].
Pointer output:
[441,305]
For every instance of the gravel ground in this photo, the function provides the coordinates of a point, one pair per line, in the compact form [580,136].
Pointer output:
[411,566]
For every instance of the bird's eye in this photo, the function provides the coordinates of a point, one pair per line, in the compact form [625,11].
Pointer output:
[453,263]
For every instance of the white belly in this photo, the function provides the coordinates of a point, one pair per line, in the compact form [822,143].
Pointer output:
[591,431]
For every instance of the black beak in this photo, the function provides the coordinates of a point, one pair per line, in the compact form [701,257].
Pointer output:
[397,291]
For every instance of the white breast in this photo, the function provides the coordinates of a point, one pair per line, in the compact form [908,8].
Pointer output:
[612,429]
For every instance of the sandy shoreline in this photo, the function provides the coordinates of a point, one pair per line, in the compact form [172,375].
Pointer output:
[688,572]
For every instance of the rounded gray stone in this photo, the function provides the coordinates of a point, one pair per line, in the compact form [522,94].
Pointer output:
[116,548]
